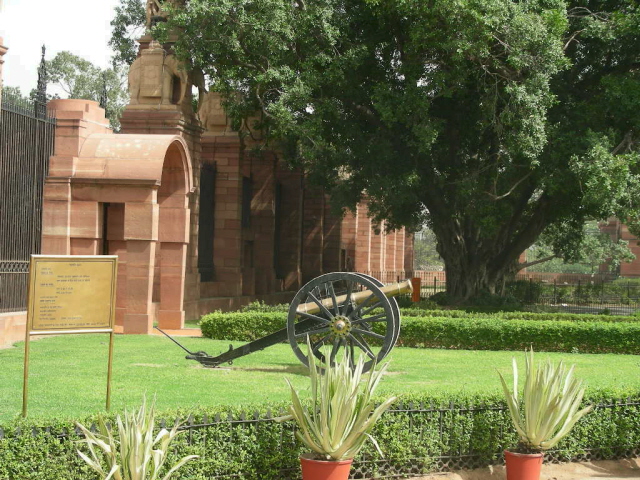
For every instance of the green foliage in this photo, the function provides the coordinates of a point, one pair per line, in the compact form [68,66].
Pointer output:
[79,78]
[467,330]
[585,255]
[425,255]
[550,403]
[241,325]
[490,121]
[260,306]
[343,411]
[258,450]
[134,451]
[14,94]
[525,291]
[127,26]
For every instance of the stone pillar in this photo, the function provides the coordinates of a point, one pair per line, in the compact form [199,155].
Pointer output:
[290,227]
[348,234]
[377,252]
[173,257]
[160,103]
[86,228]
[141,235]
[313,233]
[75,121]
[399,264]
[3,50]
[331,240]
[363,240]
[408,254]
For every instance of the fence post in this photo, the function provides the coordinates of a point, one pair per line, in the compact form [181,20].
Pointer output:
[530,290]
[578,295]
[435,280]
[415,295]
[555,291]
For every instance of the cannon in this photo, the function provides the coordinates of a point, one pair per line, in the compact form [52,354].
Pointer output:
[337,310]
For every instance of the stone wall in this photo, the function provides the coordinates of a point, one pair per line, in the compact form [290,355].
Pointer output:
[12,327]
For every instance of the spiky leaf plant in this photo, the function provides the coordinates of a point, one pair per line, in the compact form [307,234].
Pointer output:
[134,453]
[342,412]
[550,403]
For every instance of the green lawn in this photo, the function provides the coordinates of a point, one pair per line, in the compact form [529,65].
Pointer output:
[68,374]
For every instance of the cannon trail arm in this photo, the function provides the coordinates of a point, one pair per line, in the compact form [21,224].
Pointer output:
[233,353]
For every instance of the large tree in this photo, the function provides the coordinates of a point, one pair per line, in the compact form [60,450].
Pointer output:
[79,78]
[490,120]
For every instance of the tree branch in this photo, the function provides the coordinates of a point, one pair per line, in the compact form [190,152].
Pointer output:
[500,197]
[536,262]
[625,144]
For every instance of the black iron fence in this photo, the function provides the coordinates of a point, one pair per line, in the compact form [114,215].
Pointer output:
[426,438]
[26,143]
[588,293]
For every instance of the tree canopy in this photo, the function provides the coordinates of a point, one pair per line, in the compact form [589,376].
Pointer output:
[491,121]
[79,78]
[595,251]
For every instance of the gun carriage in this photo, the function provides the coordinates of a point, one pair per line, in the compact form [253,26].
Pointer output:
[338,310]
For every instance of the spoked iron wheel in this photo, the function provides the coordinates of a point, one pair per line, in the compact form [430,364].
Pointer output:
[339,311]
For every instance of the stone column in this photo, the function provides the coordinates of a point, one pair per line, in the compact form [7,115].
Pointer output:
[173,236]
[141,235]
[363,240]
[3,50]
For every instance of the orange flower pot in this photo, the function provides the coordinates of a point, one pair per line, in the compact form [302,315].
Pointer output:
[324,469]
[523,466]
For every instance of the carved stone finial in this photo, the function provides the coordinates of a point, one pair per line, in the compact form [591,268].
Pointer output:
[155,45]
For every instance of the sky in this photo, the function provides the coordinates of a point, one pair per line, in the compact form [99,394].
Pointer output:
[79,26]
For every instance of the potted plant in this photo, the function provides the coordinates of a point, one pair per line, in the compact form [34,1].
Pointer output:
[547,412]
[134,453]
[339,419]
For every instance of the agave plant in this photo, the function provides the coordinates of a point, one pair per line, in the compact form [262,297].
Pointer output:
[342,412]
[550,403]
[136,454]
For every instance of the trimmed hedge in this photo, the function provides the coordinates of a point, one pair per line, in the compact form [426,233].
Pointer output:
[565,317]
[468,431]
[505,331]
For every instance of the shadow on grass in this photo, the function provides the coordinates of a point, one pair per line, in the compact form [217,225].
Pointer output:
[290,368]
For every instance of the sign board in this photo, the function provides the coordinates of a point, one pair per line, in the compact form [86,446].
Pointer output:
[70,294]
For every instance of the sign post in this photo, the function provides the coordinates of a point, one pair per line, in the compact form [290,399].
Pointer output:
[70,294]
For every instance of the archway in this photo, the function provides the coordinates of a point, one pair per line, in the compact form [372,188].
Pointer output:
[173,236]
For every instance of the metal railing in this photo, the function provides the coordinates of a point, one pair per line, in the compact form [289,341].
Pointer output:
[26,143]
[434,439]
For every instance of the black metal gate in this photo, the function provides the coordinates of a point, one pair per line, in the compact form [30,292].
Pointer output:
[26,143]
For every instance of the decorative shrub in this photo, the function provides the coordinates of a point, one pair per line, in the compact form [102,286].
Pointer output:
[467,431]
[463,330]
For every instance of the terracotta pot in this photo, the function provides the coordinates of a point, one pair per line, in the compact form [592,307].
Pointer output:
[324,469]
[523,466]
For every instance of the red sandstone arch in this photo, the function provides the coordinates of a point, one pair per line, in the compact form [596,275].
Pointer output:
[124,195]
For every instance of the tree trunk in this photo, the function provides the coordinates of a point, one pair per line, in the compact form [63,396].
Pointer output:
[477,263]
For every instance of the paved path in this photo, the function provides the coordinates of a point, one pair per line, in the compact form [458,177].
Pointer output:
[185,332]
[601,470]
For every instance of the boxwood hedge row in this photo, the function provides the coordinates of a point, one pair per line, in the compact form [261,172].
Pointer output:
[419,434]
[505,331]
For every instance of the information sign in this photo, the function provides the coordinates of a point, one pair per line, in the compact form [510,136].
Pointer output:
[70,294]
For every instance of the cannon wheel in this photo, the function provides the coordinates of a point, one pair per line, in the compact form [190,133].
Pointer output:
[394,306]
[341,323]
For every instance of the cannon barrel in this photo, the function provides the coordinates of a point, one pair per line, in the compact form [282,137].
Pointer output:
[358,297]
